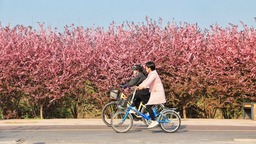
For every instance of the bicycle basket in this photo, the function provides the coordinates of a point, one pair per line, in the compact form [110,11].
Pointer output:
[114,94]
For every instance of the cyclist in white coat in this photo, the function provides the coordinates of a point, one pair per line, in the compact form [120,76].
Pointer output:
[156,89]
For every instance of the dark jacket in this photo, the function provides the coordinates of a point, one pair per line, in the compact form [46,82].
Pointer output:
[140,95]
[137,80]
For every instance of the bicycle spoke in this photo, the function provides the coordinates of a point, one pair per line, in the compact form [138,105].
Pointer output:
[121,122]
[169,121]
[108,111]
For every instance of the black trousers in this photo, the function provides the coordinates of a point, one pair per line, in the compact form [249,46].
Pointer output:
[141,95]
[150,111]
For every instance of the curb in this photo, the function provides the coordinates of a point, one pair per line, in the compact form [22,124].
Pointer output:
[203,122]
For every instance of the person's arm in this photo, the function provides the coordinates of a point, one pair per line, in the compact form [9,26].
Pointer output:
[132,82]
[147,81]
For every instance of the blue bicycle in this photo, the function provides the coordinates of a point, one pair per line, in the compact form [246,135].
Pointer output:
[168,119]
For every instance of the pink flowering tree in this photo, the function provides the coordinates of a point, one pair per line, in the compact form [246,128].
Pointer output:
[204,72]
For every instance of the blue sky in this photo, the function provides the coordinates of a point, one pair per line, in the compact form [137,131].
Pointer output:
[88,13]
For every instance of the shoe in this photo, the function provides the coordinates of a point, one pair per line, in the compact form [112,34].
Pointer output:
[153,124]
[132,112]
[120,107]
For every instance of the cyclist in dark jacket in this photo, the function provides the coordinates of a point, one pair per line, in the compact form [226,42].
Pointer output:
[140,95]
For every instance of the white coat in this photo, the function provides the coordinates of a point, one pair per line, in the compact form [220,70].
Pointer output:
[156,89]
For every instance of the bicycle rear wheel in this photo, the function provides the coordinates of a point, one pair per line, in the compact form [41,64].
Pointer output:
[169,121]
[121,123]
[107,112]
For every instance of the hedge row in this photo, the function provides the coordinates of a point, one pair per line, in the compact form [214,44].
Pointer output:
[205,72]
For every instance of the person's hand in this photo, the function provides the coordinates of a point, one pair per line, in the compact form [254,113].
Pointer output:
[139,87]
[123,86]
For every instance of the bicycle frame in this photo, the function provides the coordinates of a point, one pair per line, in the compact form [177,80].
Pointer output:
[130,108]
[168,119]
[147,117]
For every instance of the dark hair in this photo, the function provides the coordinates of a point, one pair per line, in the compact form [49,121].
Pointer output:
[138,68]
[151,65]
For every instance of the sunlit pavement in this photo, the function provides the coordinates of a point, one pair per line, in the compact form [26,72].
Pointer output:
[232,131]
[203,122]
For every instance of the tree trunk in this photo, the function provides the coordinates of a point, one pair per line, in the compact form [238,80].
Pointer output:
[41,111]
[74,110]
[184,112]
[218,114]
[1,114]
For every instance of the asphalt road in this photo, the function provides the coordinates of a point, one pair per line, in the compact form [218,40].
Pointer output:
[187,134]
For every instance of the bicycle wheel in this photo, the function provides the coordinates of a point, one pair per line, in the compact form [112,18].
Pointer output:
[120,123]
[169,121]
[107,112]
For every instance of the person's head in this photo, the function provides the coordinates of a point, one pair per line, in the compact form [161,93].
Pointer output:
[137,69]
[150,66]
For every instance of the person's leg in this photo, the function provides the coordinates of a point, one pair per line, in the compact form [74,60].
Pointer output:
[151,113]
[137,99]
[145,96]
[152,116]
[137,102]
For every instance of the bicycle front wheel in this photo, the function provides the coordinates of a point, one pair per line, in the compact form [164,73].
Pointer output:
[121,122]
[169,121]
[107,112]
